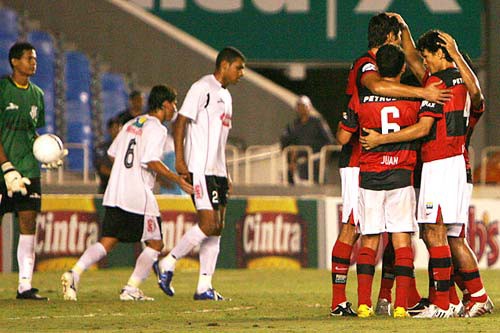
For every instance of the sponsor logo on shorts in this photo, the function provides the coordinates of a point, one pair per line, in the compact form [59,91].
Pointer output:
[151,226]
[198,191]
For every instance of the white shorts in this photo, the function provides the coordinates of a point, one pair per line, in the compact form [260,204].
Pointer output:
[387,211]
[444,186]
[350,194]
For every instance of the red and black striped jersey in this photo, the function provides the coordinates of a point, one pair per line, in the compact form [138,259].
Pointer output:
[349,156]
[388,166]
[447,135]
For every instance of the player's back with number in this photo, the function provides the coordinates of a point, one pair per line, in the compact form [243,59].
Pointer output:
[130,186]
[393,163]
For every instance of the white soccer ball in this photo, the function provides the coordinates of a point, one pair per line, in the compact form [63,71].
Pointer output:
[48,148]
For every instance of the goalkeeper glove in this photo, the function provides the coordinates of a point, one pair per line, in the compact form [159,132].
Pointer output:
[14,181]
[55,164]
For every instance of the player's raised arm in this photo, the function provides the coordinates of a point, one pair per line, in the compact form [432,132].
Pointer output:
[470,79]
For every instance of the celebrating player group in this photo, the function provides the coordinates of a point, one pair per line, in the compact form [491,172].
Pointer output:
[405,160]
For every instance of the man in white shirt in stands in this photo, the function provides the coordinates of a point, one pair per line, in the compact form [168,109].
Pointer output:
[132,212]
[200,136]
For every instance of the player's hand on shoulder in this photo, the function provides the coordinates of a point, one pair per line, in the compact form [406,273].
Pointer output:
[14,181]
[434,93]
[56,164]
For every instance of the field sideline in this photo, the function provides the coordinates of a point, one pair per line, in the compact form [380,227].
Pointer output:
[262,301]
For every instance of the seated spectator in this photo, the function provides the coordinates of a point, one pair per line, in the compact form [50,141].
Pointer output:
[308,130]
[102,162]
[136,107]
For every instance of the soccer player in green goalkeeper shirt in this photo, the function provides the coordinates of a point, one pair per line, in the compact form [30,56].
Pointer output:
[21,113]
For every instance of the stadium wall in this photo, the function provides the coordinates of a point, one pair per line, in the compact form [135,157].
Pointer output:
[260,232]
[132,40]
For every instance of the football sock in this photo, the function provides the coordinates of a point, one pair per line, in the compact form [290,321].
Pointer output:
[432,289]
[441,270]
[143,266]
[26,261]
[387,280]
[474,285]
[365,270]
[404,275]
[191,238]
[459,280]
[209,252]
[341,254]
[453,291]
[91,256]
[413,295]
[167,263]
[204,283]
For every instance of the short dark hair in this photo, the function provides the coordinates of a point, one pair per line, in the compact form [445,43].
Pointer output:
[379,27]
[390,60]
[134,94]
[17,50]
[430,41]
[228,54]
[160,94]
[112,121]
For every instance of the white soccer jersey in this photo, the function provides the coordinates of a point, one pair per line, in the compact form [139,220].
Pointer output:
[130,187]
[209,106]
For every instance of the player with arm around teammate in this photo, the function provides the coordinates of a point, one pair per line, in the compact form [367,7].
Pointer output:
[387,197]
[200,136]
[132,212]
[382,29]
[444,194]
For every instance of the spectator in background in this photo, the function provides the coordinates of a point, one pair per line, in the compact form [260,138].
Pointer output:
[308,130]
[136,105]
[102,162]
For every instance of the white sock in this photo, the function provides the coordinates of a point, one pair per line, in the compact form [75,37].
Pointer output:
[191,238]
[143,266]
[91,255]
[26,261]
[204,283]
[167,263]
[209,252]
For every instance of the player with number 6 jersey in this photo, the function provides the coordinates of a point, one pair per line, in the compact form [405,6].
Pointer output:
[132,212]
[386,194]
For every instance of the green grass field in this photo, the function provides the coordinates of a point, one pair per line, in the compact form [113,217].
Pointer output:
[262,301]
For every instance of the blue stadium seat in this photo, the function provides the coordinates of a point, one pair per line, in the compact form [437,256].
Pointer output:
[45,74]
[113,96]
[78,112]
[9,23]
[5,43]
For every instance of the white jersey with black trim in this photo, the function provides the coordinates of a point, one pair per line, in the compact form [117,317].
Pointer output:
[130,187]
[209,107]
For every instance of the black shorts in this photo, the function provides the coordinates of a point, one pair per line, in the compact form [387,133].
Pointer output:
[216,192]
[19,203]
[128,227]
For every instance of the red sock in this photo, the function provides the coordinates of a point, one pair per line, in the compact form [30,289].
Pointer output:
[441,270]
[453,291]
[432,290]
[387,280]
[365,270]
[474,285]
[413,295]
[341,260]
[404,275]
